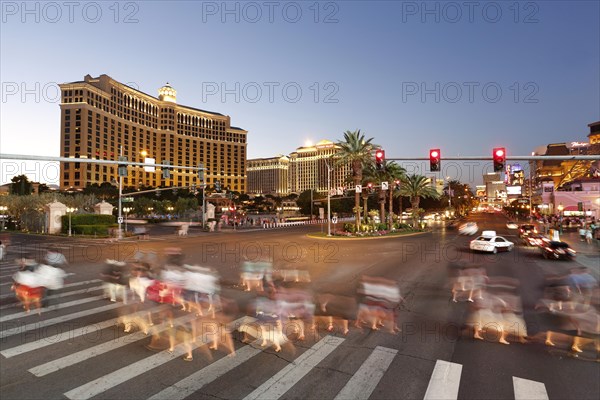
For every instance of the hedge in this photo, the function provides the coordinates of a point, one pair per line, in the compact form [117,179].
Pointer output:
[101,221]
[101,230]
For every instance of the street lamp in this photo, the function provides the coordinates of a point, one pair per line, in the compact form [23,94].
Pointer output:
[3,209]
[70,210]
[449,192]
[328,198]
[126,210]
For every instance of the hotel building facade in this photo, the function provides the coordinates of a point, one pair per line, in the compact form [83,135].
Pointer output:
[269,176]
[100,118]
[306,169]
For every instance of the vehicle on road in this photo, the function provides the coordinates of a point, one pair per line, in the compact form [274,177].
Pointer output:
[512,225]
[490,242]
[470,228]
[526,229]
[534,239]
[557,250]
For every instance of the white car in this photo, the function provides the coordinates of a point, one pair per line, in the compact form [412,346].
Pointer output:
[512,225]
[470,228]
[488,241]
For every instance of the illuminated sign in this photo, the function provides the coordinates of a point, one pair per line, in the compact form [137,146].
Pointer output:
[513,190]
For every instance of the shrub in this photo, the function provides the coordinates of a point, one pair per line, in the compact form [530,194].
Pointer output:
[100,230]
[350,228]
[87,220]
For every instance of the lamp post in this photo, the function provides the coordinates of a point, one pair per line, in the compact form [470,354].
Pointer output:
[126,210]
[70,210]
[328,199]
[449,192]
[3,209]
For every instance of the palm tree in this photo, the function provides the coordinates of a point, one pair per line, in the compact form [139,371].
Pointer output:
[390,173]
[356,151]
[394,173]
[415,187]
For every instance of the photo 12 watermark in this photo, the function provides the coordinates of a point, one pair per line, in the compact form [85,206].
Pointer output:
[37,92]
[470,92]
[471,12]
[270,92]
[54,12]
[253,12]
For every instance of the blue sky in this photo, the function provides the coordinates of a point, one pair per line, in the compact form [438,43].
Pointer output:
[412,75]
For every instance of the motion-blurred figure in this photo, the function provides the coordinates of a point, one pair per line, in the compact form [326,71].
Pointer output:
[378,304]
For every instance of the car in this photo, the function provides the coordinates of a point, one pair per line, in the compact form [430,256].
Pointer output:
[557,250]
[512,225]
[470,228]
[490,242]
[527,229]
[534,239]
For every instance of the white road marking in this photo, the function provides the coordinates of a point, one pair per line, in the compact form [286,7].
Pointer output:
[366,379]
[529,390]
[57,307]
[283,381]
[75,358]
[206,375]
[19,328]
[124,374]
[444,381]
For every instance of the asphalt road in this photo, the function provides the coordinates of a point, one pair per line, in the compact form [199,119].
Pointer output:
[361,364]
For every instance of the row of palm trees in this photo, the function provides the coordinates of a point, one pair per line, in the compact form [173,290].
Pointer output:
[358,151]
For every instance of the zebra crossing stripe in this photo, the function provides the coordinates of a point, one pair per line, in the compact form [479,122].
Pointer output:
[366,379]
[206,375]
[444,381]
[124,374]
[75,358]
[57,307]
[60,295]
[283,381]
[17,329]
[529,390]
[61,337]
[69,285]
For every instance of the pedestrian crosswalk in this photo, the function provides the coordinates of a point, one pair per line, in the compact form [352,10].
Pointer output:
[65,351]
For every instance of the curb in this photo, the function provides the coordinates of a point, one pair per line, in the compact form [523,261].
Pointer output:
[368,237]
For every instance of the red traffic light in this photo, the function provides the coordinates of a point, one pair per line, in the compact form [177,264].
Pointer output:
[380,155]
[434,159]
[499,156]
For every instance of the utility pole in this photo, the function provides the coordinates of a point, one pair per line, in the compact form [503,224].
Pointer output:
[328,199]
[120,233]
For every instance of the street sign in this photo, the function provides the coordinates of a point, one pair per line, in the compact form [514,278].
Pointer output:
[120,219]
[127,200]
[384,186]
[358,188]
[334,220]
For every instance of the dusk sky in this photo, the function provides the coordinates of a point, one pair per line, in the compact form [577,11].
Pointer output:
[463,77]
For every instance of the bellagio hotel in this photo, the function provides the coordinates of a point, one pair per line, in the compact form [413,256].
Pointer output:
[99,116]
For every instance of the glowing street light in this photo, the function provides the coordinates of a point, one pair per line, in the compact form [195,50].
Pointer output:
[70,210]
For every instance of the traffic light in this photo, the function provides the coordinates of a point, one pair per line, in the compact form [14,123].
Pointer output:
[380,160]
[397,184]
[370,187]
[499,156]
[122,170]
[434,159]
[166,173]
[218,186]
[201,172]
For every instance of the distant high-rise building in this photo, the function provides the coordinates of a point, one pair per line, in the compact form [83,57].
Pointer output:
[309,168]
[269,176]
[100,117]
[304,169]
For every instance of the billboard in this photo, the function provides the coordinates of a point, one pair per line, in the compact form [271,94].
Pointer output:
[513,190]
